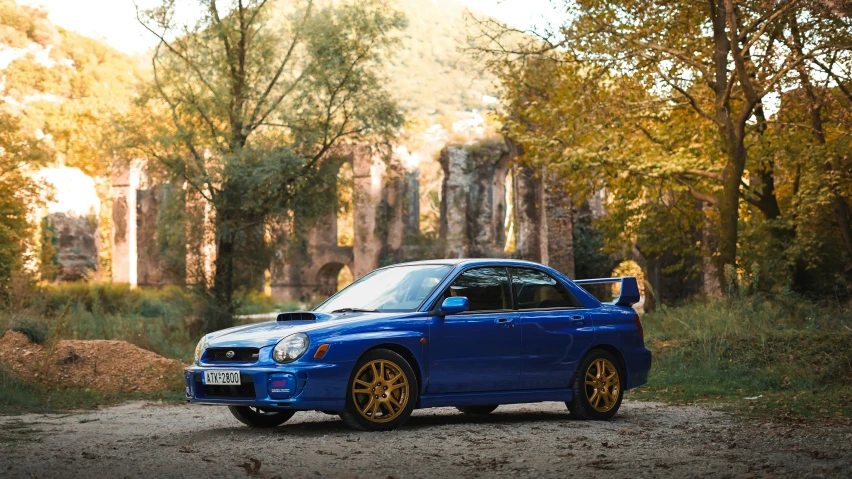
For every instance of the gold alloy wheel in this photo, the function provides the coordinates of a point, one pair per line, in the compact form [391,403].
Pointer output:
[602,385]
[380,391]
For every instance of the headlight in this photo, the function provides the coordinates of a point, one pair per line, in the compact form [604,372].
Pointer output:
[291,348]
[199,350]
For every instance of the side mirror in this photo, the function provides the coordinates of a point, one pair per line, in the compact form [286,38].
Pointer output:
[454,305]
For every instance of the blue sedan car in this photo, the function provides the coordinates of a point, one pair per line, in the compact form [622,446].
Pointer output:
[469,333]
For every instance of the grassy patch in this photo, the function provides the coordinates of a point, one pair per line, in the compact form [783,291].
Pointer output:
[17,397]
[781,357]
[168,320]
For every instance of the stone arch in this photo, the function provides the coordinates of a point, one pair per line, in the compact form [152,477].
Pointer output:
[326,280]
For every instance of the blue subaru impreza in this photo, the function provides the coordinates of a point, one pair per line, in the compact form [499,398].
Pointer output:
[472,333]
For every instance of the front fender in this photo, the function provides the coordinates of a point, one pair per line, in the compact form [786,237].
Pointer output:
[350,347]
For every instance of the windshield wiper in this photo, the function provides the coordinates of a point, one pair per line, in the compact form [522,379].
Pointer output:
[355,310]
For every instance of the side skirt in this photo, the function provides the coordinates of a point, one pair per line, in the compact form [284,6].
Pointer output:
[498,397]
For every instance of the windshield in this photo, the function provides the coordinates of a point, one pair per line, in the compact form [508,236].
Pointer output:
[394,289]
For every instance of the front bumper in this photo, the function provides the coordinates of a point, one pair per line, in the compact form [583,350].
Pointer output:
[315,386]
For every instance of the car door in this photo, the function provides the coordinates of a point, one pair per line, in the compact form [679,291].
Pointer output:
[555,327]
[476,351]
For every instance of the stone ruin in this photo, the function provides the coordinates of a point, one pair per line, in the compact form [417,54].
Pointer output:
[490,206]
[70,224]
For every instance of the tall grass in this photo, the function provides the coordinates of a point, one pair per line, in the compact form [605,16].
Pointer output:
[752,345]
[166,320]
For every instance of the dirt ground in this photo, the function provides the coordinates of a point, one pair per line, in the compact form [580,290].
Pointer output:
[645,439]
[110,366]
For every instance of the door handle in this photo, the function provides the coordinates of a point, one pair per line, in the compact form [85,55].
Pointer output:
[505,323]
[578,319]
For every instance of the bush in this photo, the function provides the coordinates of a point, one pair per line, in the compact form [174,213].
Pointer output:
[167,321]
[35,332]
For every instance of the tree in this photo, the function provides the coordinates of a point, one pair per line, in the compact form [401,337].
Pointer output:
[258,94]
[712,63]
[19,193]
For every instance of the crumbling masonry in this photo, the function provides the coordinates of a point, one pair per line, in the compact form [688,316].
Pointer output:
[491,206]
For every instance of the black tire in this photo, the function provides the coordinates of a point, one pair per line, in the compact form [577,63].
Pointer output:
[405,398]
[600,400]
[260,418]
[477,410]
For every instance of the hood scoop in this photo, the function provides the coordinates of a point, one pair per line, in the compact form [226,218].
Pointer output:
[298,316]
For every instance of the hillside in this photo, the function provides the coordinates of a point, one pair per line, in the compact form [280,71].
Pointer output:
[430,75]
[61,86]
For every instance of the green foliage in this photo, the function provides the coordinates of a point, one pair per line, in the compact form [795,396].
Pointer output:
[780,346]
[35,332]
[696,171]
[591,260]
[166,321]
[72,86]
[254,97]
[19,195]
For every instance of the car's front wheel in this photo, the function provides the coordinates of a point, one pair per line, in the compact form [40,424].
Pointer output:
[382,392]
[597,387]
[256,417]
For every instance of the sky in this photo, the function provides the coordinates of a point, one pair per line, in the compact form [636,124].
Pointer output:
[115,20]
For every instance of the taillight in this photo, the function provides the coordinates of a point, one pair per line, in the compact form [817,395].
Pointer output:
[639,327]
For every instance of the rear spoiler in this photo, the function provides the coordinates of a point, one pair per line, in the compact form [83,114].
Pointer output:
[629,288]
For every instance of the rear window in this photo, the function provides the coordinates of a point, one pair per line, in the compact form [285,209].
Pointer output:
[536,289]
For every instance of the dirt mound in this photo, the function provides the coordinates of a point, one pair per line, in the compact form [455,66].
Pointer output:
[109,366]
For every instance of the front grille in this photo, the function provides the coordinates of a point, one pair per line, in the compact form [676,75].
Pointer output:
[244,391]
[240,355]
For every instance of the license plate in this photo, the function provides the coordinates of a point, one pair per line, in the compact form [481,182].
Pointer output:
[222,378]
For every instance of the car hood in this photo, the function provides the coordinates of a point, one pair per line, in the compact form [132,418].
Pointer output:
[260,335]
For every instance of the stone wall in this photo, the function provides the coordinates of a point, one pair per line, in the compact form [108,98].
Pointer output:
[473,223]
[473,205]
[76,245]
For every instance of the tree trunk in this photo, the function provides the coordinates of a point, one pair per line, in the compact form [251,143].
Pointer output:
[223,281]
[729,213]
[652,280]
[711,286]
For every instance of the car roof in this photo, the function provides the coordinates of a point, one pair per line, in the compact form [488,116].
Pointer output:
[472,261]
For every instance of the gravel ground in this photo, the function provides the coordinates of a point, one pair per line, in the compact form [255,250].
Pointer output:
[533,440]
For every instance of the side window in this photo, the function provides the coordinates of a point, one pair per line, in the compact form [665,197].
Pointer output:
[535,289]
[486,289]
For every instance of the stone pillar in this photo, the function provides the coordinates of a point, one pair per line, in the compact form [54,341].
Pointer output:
[528,193]
[411,204]
[125,182]
[148,203]
[499,207]
[558,250]
[368,171]
[393,203]
[454,204]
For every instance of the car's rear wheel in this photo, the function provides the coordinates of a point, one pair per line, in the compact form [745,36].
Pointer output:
[382,392]
[477,410]
[597,387]
[257,417]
